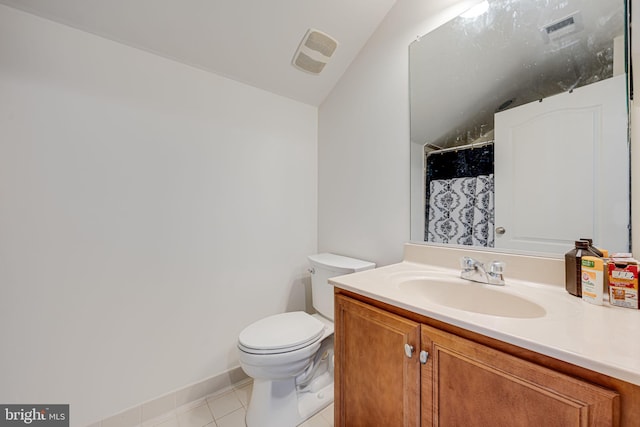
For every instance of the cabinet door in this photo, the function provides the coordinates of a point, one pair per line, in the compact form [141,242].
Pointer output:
[467,384]
[376,383]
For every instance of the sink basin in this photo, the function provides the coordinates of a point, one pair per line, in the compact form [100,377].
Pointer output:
[470,296]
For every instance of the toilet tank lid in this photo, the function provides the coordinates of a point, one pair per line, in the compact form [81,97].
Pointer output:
[339,263]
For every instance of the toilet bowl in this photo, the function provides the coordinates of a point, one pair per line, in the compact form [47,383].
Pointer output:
[290,355]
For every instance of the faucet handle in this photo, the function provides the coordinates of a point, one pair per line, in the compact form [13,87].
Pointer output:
[497,267]
[468,263]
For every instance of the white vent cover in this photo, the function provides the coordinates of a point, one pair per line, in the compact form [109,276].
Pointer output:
[314,51]
[562,28]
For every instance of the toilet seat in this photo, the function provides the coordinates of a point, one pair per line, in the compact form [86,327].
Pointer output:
[281,333]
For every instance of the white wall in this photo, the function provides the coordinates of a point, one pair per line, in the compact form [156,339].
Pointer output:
[363,139]
[148,212]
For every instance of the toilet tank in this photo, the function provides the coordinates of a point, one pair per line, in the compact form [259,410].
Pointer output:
[323,267]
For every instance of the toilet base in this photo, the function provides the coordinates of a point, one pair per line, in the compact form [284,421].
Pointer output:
[289,401]
[276,403]
[310,404]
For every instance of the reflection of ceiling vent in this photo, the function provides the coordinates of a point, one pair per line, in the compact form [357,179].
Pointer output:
[314,51]
[562,28]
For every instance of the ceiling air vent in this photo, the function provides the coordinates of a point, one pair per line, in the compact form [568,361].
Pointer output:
[314,51]
[562,28]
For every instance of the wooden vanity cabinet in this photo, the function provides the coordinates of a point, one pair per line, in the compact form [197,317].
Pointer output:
[375,382]
[465,383]
[381,381]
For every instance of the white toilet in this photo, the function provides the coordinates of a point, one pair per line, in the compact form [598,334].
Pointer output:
[290,355]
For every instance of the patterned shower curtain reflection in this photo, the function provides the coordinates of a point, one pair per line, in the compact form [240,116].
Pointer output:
[459,195]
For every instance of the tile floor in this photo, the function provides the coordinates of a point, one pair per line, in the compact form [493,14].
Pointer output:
[225,409]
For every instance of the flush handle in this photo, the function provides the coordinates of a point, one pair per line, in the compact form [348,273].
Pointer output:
[408,350]
[424,356]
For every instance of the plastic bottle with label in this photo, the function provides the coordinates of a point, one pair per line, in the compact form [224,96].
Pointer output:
[573,267]
[592,278]
[597,251]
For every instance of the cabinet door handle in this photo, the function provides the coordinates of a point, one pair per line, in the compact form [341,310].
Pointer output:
[424,356]
[408,350]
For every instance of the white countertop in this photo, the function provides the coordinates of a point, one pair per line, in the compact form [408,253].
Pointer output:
[605,339]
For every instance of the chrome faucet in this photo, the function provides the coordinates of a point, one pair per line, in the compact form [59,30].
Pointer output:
[478,272]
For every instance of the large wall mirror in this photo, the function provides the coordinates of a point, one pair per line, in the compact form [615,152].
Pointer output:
[519,127]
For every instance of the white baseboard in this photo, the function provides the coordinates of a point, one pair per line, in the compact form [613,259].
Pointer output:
[171,401]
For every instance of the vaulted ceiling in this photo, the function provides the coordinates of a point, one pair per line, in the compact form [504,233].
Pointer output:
[251,41]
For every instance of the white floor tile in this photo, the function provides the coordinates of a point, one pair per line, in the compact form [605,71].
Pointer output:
[196,417]
[224,404]
[222,410]
[244,393]
[234,419]
[327,414]
[316,421]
